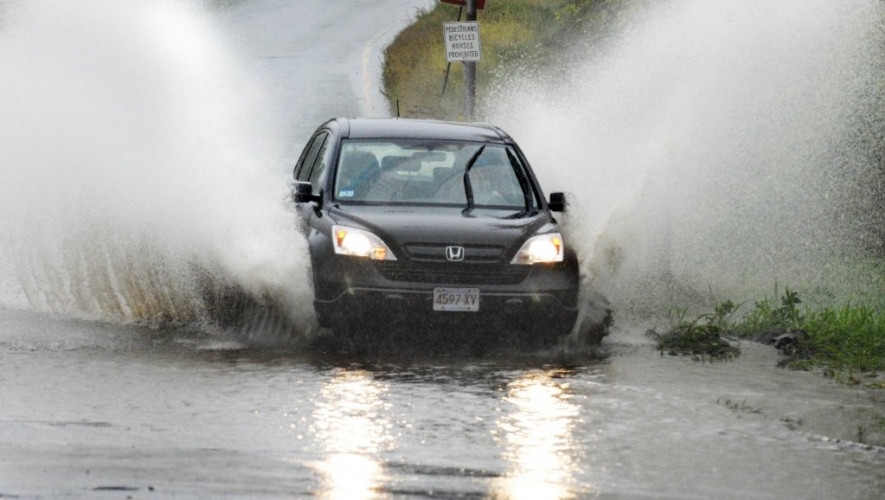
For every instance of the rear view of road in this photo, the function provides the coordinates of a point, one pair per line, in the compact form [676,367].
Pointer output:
[323,59]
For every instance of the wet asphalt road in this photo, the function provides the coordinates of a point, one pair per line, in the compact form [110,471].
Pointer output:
[98,411]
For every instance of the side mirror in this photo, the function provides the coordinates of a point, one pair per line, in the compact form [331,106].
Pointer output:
[557,202]
[302,192]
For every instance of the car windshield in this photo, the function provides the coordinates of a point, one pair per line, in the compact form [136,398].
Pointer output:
[422,172]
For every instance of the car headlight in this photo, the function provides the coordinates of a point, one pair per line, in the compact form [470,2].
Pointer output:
[359,243]
[541,249]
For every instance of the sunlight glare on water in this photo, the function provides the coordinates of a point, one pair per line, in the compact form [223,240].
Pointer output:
[137,166]
[350,426]
[714,148]
[537,435]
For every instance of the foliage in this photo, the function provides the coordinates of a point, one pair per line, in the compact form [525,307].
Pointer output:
[700,338]
[767,316]
[841,341]
[845,340]
[517,36]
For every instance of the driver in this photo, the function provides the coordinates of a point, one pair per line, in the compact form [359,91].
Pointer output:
[357,173]
[493,181]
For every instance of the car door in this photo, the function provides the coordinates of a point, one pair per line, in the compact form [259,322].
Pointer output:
[310,167]
[316,225]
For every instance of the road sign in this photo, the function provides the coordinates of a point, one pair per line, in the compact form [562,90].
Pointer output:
[480,4]
[462,41]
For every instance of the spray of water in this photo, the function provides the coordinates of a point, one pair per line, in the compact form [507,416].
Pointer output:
[714,149]
[137,179]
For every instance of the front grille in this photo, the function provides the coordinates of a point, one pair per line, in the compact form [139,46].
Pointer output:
[434,252]
[457,273]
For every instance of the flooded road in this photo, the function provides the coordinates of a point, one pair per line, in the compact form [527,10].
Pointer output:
[100,407]
[93,411]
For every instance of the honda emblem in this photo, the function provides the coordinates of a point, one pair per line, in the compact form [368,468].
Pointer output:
[455,254]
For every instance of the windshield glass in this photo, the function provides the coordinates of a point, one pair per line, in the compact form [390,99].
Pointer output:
[425,172]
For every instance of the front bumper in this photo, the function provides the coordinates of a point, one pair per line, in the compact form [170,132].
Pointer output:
[512,296]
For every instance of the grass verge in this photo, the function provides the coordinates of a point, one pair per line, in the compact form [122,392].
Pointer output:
[517,36]
[842,342]
[702,338]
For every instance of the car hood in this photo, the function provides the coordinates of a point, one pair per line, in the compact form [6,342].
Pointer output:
[401,226]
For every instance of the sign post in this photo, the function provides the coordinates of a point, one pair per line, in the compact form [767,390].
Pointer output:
[470,66]
[462,44]
[480,4]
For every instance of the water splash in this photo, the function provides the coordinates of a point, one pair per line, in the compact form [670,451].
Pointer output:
[137,175]
[716,148]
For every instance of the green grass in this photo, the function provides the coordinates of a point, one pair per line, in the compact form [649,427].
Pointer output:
[845,340]
[768,315]
[517,36]
[702,338]
[841,341]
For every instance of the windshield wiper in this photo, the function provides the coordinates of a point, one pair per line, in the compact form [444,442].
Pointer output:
[468,189]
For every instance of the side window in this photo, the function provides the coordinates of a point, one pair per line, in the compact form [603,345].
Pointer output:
[308,156]
[319,166]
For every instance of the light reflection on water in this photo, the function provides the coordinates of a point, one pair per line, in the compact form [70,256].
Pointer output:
[350,426]
[538,440]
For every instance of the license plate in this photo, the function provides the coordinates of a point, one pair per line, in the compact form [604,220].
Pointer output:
[456,299]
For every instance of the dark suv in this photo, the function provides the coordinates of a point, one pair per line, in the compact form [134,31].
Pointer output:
[439,222]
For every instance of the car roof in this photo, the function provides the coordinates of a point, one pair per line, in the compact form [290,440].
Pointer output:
[403,128]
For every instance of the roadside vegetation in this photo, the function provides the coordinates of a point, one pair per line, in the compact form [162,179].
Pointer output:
[517,36]
[703,339]
[845,342]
